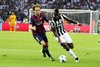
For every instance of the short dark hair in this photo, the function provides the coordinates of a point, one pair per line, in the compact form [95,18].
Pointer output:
[56,11]
[36,5]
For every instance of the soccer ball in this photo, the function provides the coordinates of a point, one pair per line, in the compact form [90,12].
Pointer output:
[62,58]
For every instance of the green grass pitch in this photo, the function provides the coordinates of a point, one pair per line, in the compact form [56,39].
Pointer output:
[19,49]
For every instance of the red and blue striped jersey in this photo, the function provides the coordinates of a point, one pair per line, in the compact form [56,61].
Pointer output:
[38,22]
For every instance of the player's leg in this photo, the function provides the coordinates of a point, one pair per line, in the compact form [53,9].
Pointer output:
[45,47]
[14,28]
[46,50]
[44,44]
[11,28]
[39,39]
[65,46]
[68,44]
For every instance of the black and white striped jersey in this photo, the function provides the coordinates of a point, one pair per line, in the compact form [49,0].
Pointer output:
[58,24]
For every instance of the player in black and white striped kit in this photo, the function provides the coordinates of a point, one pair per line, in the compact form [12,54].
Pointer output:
[61,34]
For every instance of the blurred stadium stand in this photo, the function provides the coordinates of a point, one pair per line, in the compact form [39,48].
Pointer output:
[21,7]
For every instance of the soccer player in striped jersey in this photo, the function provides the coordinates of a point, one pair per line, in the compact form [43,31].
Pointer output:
[60,33]
[38,30]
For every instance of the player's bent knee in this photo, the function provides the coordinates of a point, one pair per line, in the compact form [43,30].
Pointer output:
[43,43]
[70,45]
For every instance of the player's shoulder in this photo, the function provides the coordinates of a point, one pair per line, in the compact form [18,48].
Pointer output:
[33,16]
[42,14]
[10,16]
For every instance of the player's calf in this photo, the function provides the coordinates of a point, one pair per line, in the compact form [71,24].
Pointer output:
[44,54]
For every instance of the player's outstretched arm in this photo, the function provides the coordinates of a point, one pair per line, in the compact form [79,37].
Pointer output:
[71,21]
[75,22]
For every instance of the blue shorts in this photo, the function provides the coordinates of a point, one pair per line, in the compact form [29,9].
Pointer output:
[40,37]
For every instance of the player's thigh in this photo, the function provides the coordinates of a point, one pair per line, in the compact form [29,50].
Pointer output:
[61,39]
[39,39]
[14,24]
[45,37]
[67,38]
[11,25]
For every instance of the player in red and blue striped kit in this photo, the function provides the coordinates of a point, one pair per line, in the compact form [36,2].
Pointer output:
[38,31]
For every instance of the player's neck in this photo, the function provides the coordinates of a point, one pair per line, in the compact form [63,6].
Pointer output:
[37,15]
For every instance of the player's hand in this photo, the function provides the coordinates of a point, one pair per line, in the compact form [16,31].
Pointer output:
[80,24]
[34,28]
[59,40]
[15,23]
[9,23]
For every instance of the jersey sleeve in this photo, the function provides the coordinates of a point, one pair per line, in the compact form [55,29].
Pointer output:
[65,18]
[30,21]
[52,24]
[68,19]
[45,18]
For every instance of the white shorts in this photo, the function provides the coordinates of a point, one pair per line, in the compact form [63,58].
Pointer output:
[65,38]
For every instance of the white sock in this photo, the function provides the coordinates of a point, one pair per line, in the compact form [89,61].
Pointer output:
[72,53]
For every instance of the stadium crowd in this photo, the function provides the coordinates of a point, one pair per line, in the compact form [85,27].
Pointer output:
[21,7]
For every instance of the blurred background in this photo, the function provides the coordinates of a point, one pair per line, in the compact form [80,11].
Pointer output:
[22,11]
[21,7]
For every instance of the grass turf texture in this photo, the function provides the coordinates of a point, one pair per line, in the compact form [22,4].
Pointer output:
[19,49]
